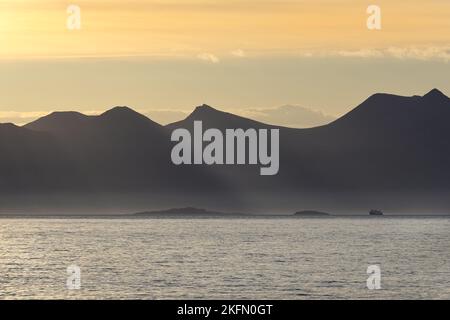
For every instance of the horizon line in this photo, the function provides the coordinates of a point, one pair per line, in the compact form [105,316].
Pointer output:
[100,113]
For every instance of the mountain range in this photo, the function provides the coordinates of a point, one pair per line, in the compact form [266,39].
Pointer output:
[390,151]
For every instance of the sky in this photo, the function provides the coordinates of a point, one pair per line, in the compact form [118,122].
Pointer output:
[290,62]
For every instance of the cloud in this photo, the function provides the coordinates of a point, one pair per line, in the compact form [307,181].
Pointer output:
[239,53]
[363,53]
[418,53]
[442,53]
[288,116]
[209,57]
[20,118]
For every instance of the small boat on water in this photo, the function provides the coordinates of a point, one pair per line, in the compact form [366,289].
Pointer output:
[376,213]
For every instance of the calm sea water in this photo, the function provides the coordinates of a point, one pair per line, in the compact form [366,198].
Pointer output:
[225,258]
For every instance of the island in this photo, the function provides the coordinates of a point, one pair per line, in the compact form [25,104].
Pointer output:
[187,211]
[311,213]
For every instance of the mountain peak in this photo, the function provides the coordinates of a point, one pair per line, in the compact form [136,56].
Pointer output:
[205,112]
[213,118]
[58,120]
[435,94]
[65,115]
[204,108]
[126,115]
[119,110]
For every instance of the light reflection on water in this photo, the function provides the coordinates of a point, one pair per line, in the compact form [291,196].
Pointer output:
[225,258]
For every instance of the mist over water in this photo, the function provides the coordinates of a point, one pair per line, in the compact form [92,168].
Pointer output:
[225,258]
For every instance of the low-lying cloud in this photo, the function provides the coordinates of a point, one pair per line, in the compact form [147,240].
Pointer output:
[419,53]
[289,116]
[209,57]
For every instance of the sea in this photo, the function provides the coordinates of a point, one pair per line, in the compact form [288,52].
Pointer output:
[302,258]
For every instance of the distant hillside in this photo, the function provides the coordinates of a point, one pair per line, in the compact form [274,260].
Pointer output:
[390,151]
[311,213]
[188,211]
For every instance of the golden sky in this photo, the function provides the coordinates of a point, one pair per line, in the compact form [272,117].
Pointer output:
[164,57]
[37,28]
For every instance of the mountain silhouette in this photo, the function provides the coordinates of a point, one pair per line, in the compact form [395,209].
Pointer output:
[390,142]
[213,118]
[32,161]
[123,120]
[120,150]
[388,151]
[117,149]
